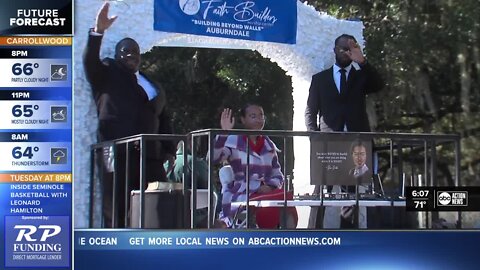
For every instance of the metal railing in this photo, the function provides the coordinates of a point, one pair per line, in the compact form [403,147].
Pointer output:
[394,144]
[131,142]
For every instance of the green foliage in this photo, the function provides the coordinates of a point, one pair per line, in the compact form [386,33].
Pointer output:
[201,82]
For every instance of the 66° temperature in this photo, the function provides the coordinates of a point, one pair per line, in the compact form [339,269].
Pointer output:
[27,69]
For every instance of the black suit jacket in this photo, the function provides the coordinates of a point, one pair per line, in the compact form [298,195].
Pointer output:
[340,109]
[123,107]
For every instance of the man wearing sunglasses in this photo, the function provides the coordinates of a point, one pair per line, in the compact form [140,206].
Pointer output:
[337,95]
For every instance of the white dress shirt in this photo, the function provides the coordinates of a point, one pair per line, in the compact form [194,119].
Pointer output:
[147,86]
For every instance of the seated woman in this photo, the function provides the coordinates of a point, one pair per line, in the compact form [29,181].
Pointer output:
[265,174]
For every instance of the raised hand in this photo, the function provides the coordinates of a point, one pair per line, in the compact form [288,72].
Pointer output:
[355,53]
[226,120]
[103,22]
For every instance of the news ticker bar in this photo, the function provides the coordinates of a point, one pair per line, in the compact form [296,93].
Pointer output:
[181,239]
[256,249]
[443,198]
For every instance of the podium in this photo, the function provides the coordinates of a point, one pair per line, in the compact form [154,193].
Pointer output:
[163,209]
[167,209]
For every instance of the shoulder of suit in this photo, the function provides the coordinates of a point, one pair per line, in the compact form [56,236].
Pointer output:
[323,73]
[158,87]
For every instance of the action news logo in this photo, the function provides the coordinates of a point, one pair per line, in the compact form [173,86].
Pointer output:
[40,241]
[452,198]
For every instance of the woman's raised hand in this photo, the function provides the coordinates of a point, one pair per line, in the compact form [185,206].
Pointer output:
[226,120]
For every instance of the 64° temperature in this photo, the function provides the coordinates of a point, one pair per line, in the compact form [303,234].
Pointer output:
[18,152]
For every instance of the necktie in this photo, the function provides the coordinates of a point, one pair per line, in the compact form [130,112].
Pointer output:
[343,80]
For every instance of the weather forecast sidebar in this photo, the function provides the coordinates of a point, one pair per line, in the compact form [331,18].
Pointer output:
[36,134]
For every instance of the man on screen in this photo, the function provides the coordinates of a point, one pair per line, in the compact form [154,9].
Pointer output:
[359,157]
[127,104]
[343,217]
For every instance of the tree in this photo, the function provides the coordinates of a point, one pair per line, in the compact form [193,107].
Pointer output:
[201,82]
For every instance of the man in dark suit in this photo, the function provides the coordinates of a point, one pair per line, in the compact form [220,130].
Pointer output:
[336,100]
[337,95]
[127,104]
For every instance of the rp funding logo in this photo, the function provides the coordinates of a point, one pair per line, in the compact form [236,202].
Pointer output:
[32,242]
[39,241]
[26,232]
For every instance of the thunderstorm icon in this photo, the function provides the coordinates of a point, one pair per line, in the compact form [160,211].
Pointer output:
[59,154]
